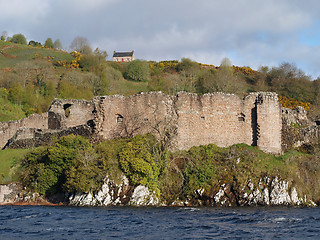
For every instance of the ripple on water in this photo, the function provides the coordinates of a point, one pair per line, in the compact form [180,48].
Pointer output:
[27,222]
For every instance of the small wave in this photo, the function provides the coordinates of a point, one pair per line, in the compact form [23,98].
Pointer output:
[191,209]
[283,219]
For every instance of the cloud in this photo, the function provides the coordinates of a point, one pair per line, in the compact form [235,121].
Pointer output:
[19,12]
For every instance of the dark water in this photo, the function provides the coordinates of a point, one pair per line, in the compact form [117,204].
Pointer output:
[30,222]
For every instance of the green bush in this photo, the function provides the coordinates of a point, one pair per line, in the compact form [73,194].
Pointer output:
[108,155]
[88,62]
[19,38]
[137,162]
[48,43]
[201,168]
[138,71]
[46,170]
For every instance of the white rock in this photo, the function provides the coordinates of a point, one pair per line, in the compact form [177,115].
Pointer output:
[279,194]
[80,199]
[218,195]
[265,194]
[294,197]
[142,197]
[200,192]
[250,186]
[104,197]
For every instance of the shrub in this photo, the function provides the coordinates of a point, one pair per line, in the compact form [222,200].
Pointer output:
[48,43]
[88,62]
[45,170]
[137,162]
[34,44]
[19,38]
[138,71]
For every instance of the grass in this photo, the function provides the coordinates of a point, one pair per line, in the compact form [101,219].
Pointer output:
[9,111]
[9,164]
[126,87]
[12,54]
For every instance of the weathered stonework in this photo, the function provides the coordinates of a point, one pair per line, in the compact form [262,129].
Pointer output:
[190,119]
[297,129]
[180,121]
[9,129]
[69,113]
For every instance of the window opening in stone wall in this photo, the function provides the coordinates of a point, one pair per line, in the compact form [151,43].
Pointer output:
[119,118]
[66,108]
[203,118]
[241,117]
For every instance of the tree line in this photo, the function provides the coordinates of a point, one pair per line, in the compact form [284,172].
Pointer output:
[33,84]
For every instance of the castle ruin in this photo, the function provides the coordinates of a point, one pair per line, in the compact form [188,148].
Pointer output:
[182,120]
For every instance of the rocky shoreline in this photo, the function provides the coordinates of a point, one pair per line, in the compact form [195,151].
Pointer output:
[267,192]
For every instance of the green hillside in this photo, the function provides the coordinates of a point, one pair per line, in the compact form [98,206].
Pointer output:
[10,164]
[31,77]
[12,54]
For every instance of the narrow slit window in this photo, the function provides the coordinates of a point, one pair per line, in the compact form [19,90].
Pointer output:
[241,117]
[119,118]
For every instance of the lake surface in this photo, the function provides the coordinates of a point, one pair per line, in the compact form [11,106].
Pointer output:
[46,222]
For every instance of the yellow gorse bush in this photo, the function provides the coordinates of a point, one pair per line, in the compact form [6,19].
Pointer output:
[164,64]
[293,103]
[244,70]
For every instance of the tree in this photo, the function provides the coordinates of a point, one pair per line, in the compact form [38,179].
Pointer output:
[225,80]
[189,70]
[48,43]
[291,82]
[138,71]
[4,35]
[88,61]
[19,38]
[188,66]
[100,54]
[47,170]
[34,44]
[57,44]
[81,45]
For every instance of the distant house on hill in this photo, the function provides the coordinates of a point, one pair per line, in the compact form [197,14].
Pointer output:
[123,56]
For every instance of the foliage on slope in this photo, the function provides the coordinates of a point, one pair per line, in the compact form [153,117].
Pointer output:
[72,164]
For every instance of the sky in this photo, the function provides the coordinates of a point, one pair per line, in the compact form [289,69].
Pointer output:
[249,32]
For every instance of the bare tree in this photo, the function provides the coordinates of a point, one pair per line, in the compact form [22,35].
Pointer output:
[81,45]
[128,126]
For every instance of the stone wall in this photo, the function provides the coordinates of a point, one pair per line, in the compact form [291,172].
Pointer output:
[190,119]
[9,129]
[217,118]
[118,116]
[69,113]
[179,121]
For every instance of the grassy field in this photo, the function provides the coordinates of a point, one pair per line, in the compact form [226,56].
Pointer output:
[11,54]
[9,164]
